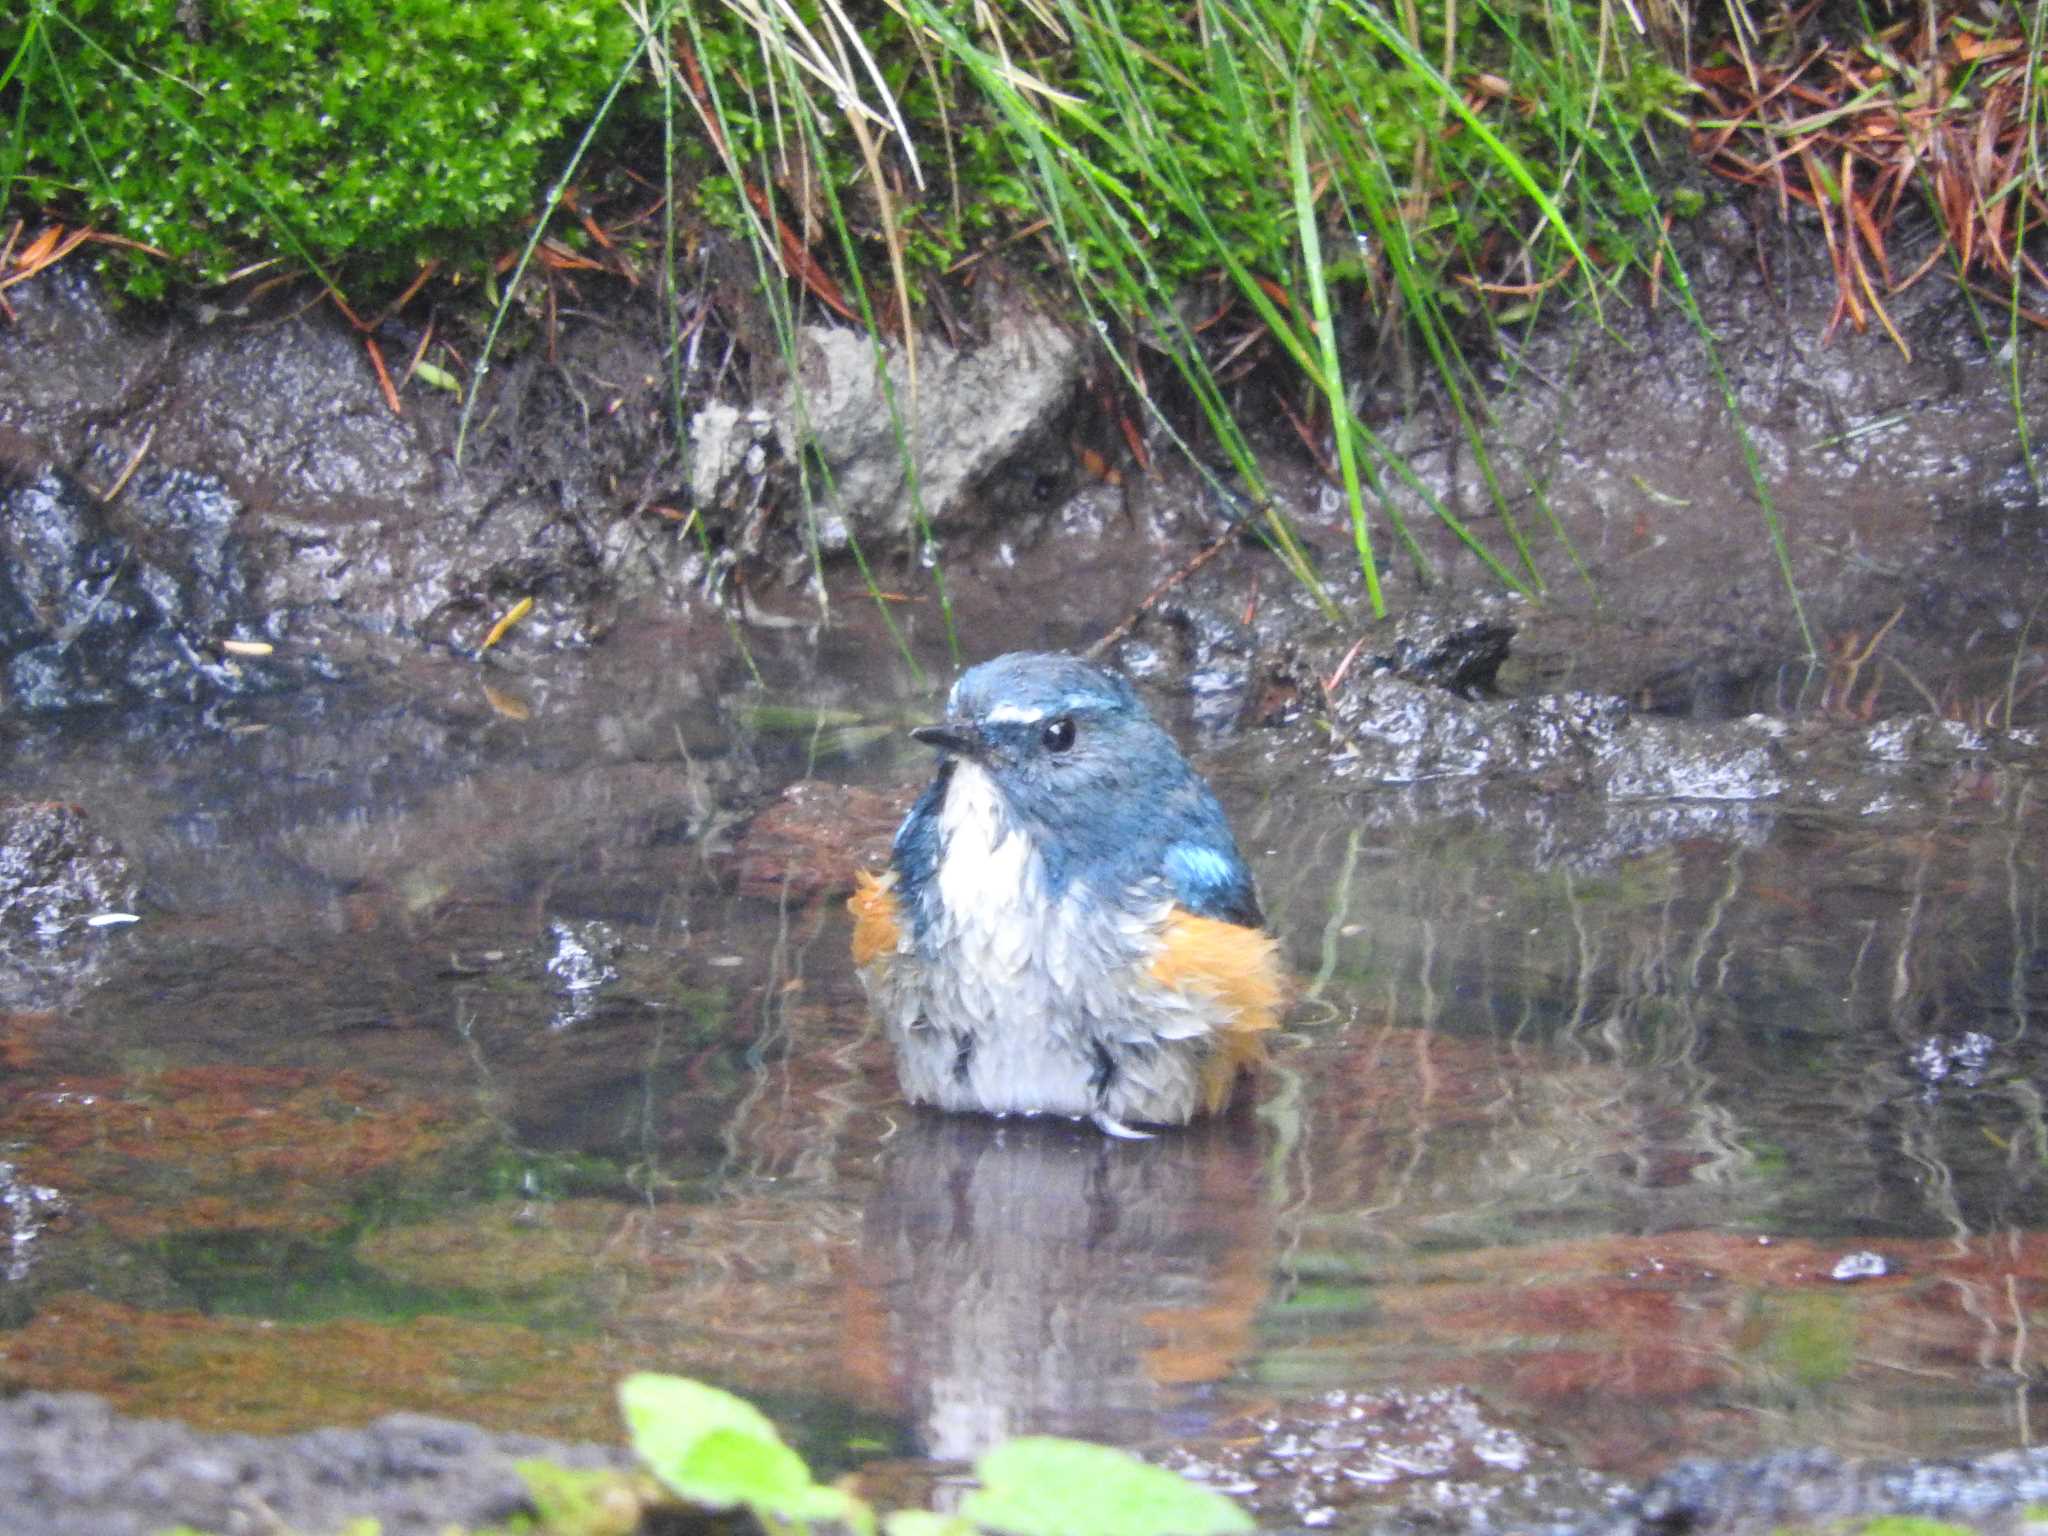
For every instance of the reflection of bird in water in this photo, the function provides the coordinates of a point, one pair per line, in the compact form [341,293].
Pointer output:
[1066,926]
[1033,1277]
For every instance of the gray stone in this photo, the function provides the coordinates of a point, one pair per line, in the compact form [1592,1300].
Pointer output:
[967,412]
[70,1466]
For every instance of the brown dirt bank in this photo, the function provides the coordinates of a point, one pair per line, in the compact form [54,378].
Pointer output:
[277,500]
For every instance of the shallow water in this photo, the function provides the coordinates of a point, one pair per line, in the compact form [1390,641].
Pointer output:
[470,1052]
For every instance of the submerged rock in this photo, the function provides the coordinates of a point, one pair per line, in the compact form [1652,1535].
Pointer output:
[581,959]
[60,882]
[1391,1459]
[56,872]
[26,1208]
[812,839]
[1817,1489]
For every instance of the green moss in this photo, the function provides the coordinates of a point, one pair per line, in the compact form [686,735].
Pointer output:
[360,135]
[364,137]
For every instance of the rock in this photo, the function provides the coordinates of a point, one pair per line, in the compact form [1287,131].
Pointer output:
[55,872]
[1815,1489]
[146,599]
[726,447]
[1461,653]
[266,446]
[57,875]
[86,1471]
[813,838]
[970,411]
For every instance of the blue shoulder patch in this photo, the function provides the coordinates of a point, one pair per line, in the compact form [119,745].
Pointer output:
[1212,882]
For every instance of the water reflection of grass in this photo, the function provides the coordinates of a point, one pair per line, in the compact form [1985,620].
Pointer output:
[1703,1027]
[1808,1340]
[303,1280]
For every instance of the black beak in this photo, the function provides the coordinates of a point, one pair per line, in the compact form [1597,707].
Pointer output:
[962,739]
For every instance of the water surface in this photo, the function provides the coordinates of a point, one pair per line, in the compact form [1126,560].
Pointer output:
[471,1051]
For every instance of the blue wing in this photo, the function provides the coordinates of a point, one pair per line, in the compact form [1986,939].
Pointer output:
[915,852]
[1211,880]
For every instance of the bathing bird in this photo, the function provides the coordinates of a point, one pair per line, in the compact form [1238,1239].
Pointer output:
[1066,926]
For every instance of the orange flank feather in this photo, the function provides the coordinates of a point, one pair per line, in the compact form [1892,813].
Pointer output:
[1240,968]
[875,928]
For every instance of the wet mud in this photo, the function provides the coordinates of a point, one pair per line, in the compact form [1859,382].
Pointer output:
[1661,1086]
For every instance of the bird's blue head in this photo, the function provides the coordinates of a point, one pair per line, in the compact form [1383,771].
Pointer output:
[1103,794]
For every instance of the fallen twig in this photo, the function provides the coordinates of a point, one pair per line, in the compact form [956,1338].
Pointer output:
[1202,557]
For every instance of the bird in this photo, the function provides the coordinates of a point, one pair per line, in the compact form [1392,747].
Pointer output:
[1066,926]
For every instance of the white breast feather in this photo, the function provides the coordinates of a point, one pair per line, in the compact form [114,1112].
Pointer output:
[1034,981]
[988,873]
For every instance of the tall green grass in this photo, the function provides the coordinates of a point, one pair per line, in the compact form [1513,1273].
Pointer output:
[1324,164]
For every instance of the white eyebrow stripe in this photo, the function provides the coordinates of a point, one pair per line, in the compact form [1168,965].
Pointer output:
[1013,714]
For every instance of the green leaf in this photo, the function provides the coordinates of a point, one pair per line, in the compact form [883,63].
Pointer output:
[725,1467]
[440,378]
[706,1445]
[1041,1486]
[924,1522]
[822,1501]
[718,1451]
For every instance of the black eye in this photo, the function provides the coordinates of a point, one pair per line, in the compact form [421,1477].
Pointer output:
[1059,735]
